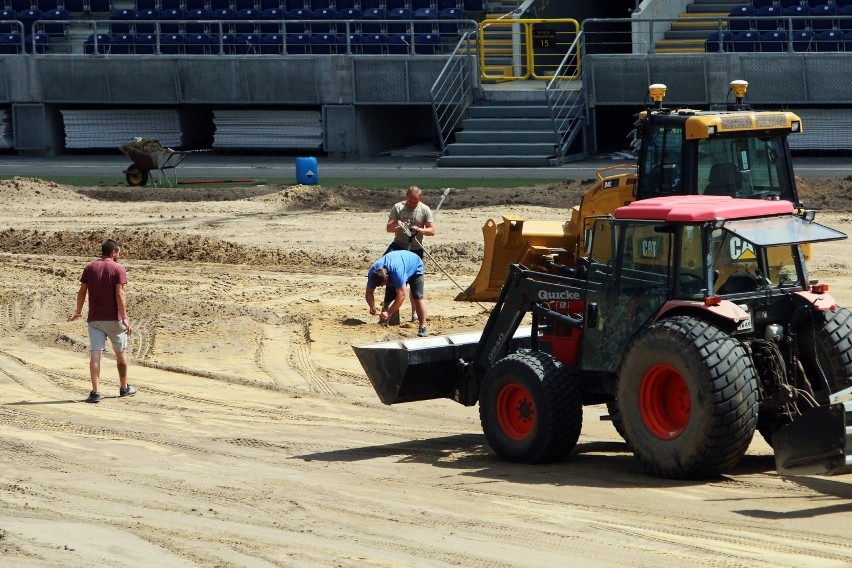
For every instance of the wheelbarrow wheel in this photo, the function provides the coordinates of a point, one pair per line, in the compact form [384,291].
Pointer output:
[136,175]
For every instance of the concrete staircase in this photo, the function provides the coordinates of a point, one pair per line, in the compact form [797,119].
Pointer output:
[689,33]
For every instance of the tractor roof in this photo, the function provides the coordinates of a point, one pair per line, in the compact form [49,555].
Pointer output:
[698,208]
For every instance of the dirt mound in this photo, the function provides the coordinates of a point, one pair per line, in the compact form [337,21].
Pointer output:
[27,190]
[826,193]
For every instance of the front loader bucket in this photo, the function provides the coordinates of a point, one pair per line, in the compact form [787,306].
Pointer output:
[816,443]
[422,369]
[533,244]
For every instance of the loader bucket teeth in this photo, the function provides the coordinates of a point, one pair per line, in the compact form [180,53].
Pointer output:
[817,443]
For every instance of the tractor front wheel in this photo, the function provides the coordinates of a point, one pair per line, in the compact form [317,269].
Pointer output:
[687,398]
[530,408]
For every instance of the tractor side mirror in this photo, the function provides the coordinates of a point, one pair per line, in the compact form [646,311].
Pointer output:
[587,241]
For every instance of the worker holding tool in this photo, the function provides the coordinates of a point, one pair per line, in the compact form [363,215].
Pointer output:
[410,220]
[395,270]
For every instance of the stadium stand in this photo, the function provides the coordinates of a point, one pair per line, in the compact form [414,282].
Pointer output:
[773,41]
[798,15]
[97,44]
[740,25]
[823,17]
[121,44]
[172,43]
[55,22]
[802,40]
[324,44]
[197,44]
[121,21]
[145,44]
[146,20]
[746,41]
[717,42]
[829,40]
[427,44]
[298,44]
[272,44]
[766,18]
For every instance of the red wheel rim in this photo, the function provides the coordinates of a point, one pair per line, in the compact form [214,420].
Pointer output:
[516,412]
[664,402]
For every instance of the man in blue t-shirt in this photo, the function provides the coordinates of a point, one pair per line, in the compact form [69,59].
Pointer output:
[395,270]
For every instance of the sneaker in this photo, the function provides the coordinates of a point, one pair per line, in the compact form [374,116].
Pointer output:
[129,390]
[422,332]
[414,319]
[94,396]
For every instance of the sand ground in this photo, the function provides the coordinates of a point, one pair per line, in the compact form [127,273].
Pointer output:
[256,438]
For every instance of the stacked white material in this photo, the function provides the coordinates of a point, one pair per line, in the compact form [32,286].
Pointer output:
[823,129]
[110,128]
[6,138]
[268,129]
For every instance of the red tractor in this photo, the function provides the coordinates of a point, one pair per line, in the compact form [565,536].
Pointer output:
[693,318]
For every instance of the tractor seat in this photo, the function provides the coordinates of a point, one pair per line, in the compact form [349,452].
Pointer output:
[724,180]
[739,282]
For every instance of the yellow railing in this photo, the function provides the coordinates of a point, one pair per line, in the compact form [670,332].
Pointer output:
[515,49]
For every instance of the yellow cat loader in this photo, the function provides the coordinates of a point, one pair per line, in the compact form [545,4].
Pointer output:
[690,357]
[737,152]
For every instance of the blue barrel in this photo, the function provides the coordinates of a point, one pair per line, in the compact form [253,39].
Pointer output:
[307,172]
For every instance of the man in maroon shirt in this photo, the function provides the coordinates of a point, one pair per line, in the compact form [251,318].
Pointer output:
[103,281]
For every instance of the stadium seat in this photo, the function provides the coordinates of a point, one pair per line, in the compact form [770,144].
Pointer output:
[427,44]
[351,44]
[243,5]
[248,44]
[296,21]
[271,5]
[196,23]
[190,5]
[315,5]
[760,3]
[223,44]
[324,44]
[197,44]
[172,44]
[298,44]
[716,43]
[773,41]
[244,23]
[47,5]
[121,21]
[142,4]
[829,40]
[739,25]
[842,3]
[748,41]
[798,17]
[75,7]
[374,44]
[399,44]
[294,5]
[844,21]
[146,21]
[474,6]
[395,5]
[39,42]
[420,4]
[224,15]
[28,17]
[19,5]
[56,22]
[273,21]
[271,44]
[372,26]
[446,4]
[823,17]
[97,44]
[346,5]
[99,6]
[122,44]
[11,44]
[766,18]
[428,17]
[398,27]
[847,41]
[10,16]
[370,4]
[145,44]
[448,21]
[171,5]
[803,40]
[170,21]
[320,23]
[220,5]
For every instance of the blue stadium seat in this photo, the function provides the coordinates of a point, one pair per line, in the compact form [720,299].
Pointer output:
[798,15]
[760,3]
[172,44]
[351,43]
[847,41]
[803,40]
[324,44]
[788,3]
[773,41]
[315,5]
[829,40]
[294,5]
[146,20]
[190,5]
[220,5]
[823,17]
[75,7]
[143,4]
[448,25]
[841,3]
[99,6]
[19,5]
[370,4]
[39,42]
[427,44]
[223,44]
[738,25]
[56,22]
[446,4]
[145,44]
[420,4]
[346,5]
[766,18]
[243,5]
[244,22]
[298,44]
[319,21]
[196,21]
[170,21]
[271,5]
[225,15]
[398,27]
[170,5]
[122,44]
[716,43]
[429,17]
[395,4]
[97,44]
[273,21]
[348,14]
[844,15]
[296,21]
[272,44]
[248,44]
[121,21]
[11,44]
[474,6]
[198,44]
[748,41]
[47,5]
[28,17]
[9,15]
[374,44]
[372,26]
[399,44]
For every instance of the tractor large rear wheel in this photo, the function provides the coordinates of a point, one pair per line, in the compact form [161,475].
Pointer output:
[687,398]
[530,408]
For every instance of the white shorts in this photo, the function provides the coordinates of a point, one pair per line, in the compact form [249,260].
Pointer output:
[100,330]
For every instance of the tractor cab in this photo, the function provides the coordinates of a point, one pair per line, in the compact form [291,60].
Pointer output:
[736,152]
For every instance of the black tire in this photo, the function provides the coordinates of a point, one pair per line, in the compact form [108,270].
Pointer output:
[136,176]
[687,399]
[530,408]
[615,417]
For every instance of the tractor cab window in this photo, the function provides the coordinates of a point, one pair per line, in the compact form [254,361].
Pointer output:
[740,267]
[755,167]
[660,161]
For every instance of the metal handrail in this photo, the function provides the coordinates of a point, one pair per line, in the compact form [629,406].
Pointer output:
[565,98]
[452,92]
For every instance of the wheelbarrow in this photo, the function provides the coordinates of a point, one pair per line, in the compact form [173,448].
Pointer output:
[148,155]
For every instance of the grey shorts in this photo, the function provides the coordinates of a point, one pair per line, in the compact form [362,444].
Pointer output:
[416,285]
[100,330]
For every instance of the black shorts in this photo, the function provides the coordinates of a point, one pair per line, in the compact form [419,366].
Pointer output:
[396,246]
[417,289]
